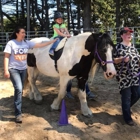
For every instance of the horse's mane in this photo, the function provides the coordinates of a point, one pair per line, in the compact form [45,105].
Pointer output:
[105,39]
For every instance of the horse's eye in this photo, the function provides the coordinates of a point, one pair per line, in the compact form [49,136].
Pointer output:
[103,50]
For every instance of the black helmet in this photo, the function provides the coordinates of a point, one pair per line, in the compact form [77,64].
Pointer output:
[58,15]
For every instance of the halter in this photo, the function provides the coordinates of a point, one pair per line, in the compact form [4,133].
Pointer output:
[102,62]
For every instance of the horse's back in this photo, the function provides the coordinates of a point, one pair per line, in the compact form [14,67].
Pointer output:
[40,59]
[72,53]
[40,39]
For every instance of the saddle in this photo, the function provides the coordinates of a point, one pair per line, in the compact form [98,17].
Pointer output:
[59,49]
[61,44]
[58,52]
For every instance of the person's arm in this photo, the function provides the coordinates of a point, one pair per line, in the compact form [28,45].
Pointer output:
[67,32]
[39,45]
[121,59]
[118,60]
[59,33]
[6,62]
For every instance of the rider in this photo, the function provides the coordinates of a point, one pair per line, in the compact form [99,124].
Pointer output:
[60,31]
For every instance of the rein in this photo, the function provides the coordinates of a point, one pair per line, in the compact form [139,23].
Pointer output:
[102,62]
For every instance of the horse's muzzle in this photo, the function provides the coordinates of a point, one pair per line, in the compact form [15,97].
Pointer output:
[109,75]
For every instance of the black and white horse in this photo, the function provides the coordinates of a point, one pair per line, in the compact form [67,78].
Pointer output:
[78,58]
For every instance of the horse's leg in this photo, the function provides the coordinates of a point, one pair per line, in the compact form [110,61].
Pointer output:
[62,92]
[82,97]
[32,77]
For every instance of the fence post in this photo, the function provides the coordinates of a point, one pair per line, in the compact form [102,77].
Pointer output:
[7,37]
[46,33]
[27,35]
[133,39]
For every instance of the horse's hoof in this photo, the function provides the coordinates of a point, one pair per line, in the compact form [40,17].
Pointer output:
[52,109]
[38,102]
[88,116]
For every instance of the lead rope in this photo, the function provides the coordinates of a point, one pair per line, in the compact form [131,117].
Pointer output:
[138,74]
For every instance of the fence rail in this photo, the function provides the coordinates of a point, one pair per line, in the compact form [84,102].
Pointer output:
[4,36]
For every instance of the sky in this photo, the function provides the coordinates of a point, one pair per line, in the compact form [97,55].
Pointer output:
[10,8]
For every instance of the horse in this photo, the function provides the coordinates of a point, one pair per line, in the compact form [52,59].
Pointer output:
[78,58]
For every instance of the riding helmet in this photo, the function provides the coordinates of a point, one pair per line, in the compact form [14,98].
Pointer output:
[58,15]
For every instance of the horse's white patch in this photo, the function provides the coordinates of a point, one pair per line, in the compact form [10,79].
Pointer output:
[40,39]
[30,51]
[86,53]
[110,66]
[61,44]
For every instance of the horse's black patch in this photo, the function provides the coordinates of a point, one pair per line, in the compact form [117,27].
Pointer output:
[31,60]
[91,42]
[95,43]
[56,56]
[82,68]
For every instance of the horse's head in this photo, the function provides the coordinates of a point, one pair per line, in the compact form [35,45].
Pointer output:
[104,48]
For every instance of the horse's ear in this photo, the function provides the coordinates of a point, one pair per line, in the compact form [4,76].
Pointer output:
[95,35]
[76,32]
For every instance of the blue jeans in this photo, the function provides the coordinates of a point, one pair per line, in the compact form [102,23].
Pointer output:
[17,78]
[129,97]
[70,84]
[55,44]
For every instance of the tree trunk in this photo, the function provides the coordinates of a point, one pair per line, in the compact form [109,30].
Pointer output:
[1,18]
[87,16]
[117,13]
[58,5]
[47,23]
[38,16]
[68,14]
[17,15]
[117,17]
[79,16]
[72,20]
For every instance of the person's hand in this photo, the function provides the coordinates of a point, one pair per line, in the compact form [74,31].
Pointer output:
[68,36]
[54,40]
[126,59]
[6,74]
[118,60]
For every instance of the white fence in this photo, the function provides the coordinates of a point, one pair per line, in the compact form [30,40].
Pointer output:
[4,36]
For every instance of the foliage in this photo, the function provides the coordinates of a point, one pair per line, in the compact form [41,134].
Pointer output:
[103,13]
[130,12]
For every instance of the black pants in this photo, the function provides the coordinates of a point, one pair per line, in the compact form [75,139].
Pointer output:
[129,97]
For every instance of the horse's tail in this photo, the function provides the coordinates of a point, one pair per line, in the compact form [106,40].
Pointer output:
[26,81]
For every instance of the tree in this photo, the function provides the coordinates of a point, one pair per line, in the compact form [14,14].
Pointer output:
[87,15]
[117,13]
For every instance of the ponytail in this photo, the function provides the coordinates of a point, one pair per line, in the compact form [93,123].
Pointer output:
[17,30]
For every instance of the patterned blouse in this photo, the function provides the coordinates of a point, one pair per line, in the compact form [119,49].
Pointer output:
[127,72]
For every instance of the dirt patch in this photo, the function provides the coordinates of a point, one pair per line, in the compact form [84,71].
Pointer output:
[39,123]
